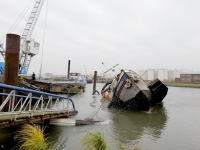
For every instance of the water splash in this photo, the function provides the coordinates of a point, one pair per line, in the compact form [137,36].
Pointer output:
[105,122]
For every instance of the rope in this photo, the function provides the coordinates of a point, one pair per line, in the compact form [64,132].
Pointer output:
[95,92]
[18,19]
[92,119]
[96,112]
[43,39]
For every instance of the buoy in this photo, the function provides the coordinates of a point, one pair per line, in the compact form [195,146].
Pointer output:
[106,95]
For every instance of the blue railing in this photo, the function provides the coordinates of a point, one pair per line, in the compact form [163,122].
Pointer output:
[5,86]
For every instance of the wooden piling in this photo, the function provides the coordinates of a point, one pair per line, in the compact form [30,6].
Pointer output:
[11,68]
[68,68]
[94,82]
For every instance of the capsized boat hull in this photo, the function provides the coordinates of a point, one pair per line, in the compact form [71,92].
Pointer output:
[158,91]
[138,102]
[129,91]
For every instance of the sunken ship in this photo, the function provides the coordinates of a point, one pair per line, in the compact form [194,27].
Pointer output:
[129,91]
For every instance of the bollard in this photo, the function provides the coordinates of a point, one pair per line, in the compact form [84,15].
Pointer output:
[11,63]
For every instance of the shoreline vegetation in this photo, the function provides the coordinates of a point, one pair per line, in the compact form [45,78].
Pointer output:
[32,137]
[180,84]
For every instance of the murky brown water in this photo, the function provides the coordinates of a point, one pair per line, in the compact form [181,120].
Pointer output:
[172,125]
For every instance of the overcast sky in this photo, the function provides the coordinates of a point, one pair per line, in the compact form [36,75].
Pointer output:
[145,34]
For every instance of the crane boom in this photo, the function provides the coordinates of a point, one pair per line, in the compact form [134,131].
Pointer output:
[25,56]
[2,51]
[32,19]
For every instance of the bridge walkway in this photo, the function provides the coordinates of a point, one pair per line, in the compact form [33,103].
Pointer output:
[35,106]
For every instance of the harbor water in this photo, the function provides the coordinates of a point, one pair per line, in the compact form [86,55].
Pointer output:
[172,125]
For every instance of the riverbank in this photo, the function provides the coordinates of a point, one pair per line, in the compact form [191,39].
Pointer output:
[180,84]
[175,84]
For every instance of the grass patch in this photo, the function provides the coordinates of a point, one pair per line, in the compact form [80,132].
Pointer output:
[94,141]
[31,137]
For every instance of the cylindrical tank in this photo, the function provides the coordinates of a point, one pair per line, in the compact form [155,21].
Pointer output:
[163,74]
[143,74]
[151,74]
[171,75]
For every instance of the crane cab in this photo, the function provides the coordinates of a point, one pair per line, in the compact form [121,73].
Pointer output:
[30,46]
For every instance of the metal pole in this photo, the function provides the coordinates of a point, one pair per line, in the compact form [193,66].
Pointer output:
[68,68]
[94,83]
[11,68]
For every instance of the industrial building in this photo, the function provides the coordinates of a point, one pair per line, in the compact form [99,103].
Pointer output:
[190,78]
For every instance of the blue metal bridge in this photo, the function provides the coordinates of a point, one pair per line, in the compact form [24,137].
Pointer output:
[26,105]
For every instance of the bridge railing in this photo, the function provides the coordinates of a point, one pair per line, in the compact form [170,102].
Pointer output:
[46,103]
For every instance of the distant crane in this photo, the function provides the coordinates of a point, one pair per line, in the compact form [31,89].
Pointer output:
[28,47]
[85,72]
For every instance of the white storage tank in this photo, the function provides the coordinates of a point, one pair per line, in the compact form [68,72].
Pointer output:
[163,74]
[143,74]
[150,73]
[171,75]
[177,73]
[155,74]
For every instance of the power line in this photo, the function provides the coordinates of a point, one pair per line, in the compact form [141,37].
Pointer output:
[18,19]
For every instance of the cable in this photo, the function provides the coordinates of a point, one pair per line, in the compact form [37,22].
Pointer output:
[18,19]
[43,40]
[96,112]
